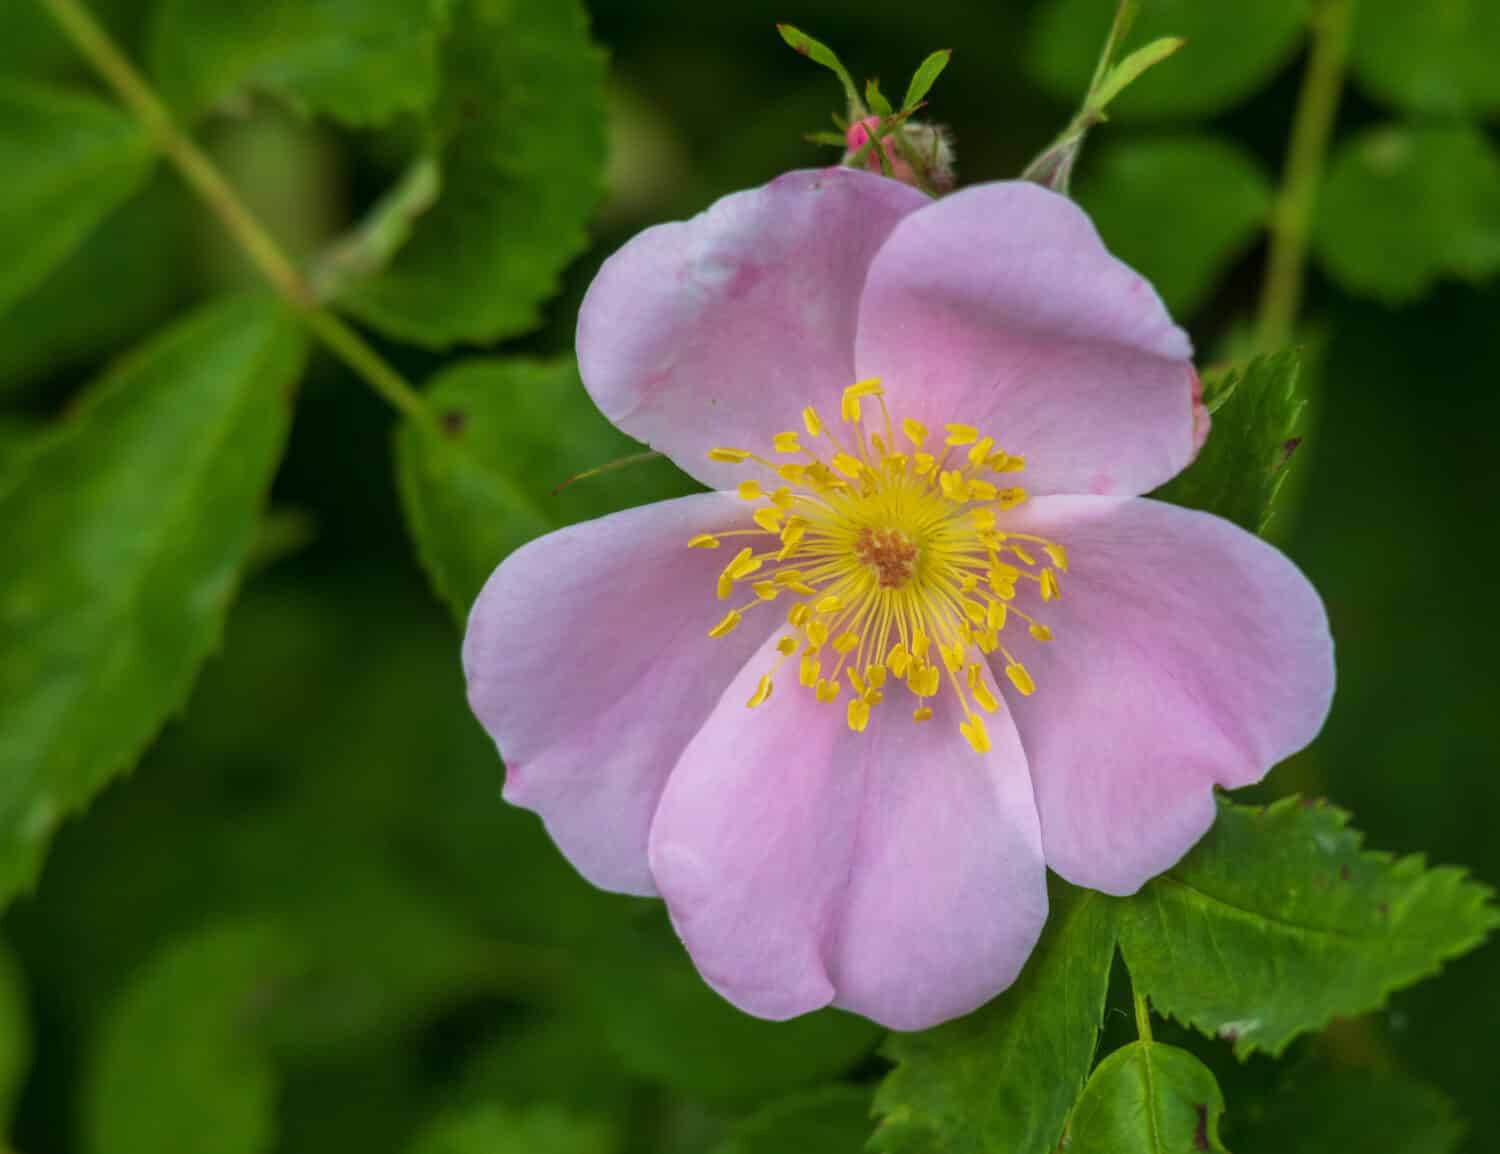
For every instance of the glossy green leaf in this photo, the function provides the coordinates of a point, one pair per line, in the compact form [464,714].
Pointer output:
[34,47]
[1317,1108]
[180,1066]
[125,535]
[1147,1098]
[69,161]
[519,130]
[1232,50]
[1278,922]
[1005,1077]
[482,480]
[818,52]
[1405,206]
[496,1130]
[831,1121]
[1437,57]
[1256,410]
[925,77]
[668,1027]
[124,280]
[1181,209]
[359,61]
[15,1034]
[1132,68]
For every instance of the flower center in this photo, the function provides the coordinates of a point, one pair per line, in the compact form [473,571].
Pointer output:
[893,560]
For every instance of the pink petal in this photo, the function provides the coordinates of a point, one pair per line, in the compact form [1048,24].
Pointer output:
[589,662]
[895,873]
[1187,653]
[999,307]
[720,329]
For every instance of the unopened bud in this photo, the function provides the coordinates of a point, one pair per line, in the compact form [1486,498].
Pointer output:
[922,157]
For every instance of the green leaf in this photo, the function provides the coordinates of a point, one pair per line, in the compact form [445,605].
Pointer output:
[820,53]
[1239,471]
[1405,206]
[1005,1077]
[1318,1108]
[1181,209]
[877,100]
[519,129]
[179,1067]
[496,1130]
[34,47]
[69,161]
[1429,57]
[15,1035]
[360,62]
[925,77]
[124,281]
[668,1027]
[482,480]
[831,1121]
[125,535]
[1147,1098]
[1131,69]
[1278,922]
[1233,50]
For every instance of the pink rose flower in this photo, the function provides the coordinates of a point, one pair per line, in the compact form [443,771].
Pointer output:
[924,639]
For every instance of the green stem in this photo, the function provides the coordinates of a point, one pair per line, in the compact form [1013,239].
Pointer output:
[94,43]
[1142,1016]
[1312,128]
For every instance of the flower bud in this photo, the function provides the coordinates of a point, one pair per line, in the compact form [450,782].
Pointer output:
[925,162]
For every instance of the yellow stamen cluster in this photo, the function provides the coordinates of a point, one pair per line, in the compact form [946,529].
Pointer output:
[892,560]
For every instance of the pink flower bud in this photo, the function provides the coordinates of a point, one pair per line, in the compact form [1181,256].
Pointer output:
[930,144]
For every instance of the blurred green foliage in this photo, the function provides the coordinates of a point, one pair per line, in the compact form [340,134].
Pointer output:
[306,922]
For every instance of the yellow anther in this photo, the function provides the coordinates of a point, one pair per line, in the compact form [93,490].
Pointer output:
[727,625]
[851,467]
[798,614]
[875,675]
[1050,591]
[961,434]
[895,463]
[762,692]
[978,736]
[1002,573]
[1020,678]
[899,660]
[845,642]
[915,431]
[828,690]
[877,443]
[766,590]
[791,537]
[953,656]
[984,519]
[849,408]
[1040,632]
[973,674]
[1003,591]
[855,680]
[969,583]
[743,565]
[796,474]
[787,442]
[924,463]
[812,422]
[768,517]
[817,632]
[782,498]
[973,610]
[725,586]
[1025,557]
[859,714]
[985,698]
[788,577]
[786,646]
[732,456]
[829,604]
[982,490]
[994,616]
[749,490]
[869,387]
[919,644]
[1010,498]
[1005,463]
[927,684]
[922,713]
[988,641]
[954,486]
[980,450]
[1057,554]
[704,541]
[809,669]
[873,697]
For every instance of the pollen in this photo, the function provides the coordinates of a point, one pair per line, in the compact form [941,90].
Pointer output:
[892,565]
